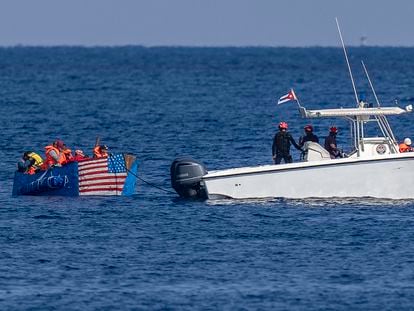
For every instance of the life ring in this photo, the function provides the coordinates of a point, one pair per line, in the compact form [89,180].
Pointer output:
[381,149]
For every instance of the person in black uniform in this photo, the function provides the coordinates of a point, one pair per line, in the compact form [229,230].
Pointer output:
[309,136]
[281,145]
[330,143]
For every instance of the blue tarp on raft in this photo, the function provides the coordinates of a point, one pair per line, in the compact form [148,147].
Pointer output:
[61,181]
[64,180]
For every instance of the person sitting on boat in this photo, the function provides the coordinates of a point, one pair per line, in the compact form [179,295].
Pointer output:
[67,152]
[330,143]
[100,151]
[309,136]
[281,145]
[79,156]
[30,163]
[54,154]
[406,146]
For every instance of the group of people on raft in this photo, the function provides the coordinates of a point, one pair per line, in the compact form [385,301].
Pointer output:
[56,154]
[283,140]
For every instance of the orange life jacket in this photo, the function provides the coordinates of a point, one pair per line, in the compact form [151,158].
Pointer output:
[67,153]
[97,153]
[31,170]
[50,160]
[405,148]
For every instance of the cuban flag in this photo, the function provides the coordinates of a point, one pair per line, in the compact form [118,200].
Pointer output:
[288,97]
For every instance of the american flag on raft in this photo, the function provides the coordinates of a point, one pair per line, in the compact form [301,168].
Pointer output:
[103,176]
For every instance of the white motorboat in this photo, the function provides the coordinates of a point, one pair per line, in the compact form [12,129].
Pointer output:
[374,168]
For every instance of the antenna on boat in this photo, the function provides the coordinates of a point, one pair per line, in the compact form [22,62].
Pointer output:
[347,61]
[370,83]
[382,120]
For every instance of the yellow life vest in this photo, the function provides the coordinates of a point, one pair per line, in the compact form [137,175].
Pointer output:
[38,159]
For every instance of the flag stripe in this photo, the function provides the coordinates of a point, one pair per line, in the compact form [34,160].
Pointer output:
[93,168]
[103,176]
[106,180]
[288,97]
[101,184]
[91,165]
[93,172]
[281,101]
[92,162]
[121,176]
[102,188]
[101,192]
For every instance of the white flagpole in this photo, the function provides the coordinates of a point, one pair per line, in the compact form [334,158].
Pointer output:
[296,98]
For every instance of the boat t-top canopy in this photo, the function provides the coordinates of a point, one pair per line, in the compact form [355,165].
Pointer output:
[354,112]
[359,116]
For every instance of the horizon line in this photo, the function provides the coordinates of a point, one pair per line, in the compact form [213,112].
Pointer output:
[194,46]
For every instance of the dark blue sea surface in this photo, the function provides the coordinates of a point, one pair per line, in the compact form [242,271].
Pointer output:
[156,251]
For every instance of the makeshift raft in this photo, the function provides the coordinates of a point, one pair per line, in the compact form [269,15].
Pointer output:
[112,175]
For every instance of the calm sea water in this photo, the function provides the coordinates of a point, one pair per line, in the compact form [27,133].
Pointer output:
[155,251]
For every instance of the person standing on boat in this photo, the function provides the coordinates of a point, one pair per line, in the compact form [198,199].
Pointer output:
[406,146]
[330,143]
[281,145]
[309,136]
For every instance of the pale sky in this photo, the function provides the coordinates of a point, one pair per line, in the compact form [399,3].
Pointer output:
[205,22]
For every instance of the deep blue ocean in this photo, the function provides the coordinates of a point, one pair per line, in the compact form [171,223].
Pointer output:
[154,251]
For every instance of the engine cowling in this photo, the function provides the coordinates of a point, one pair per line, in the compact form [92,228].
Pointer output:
[186,177]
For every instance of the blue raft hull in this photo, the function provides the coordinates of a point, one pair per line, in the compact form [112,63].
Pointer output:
[81,178]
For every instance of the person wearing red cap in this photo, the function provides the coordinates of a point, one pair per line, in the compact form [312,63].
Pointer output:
[281,145]
[330,143]
[309,136]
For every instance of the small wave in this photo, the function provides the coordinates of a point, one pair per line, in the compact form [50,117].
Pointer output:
[316,202]
[44,260]
[68,267]
[48,217]
[32,103]
[340,202]
[79,89]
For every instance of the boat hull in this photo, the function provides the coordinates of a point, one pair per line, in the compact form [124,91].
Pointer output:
[115,175]
[388,177]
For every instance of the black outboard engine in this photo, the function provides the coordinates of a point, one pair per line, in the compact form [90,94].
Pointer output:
[186,175]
